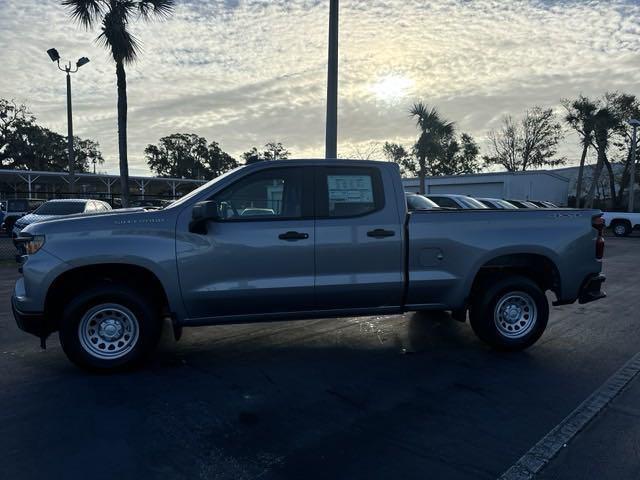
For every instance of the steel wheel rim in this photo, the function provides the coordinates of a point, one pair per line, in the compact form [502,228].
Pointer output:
[108,331]
[515,314]
[620,229]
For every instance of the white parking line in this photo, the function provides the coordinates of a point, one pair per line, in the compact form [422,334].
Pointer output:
[548,447]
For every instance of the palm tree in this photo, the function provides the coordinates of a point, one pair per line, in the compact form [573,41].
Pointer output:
[114,16]
[605,121]
[433,129]
[580,117]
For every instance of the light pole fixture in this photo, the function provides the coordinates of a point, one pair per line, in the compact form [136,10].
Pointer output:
[331,133]
[634,146]
[55,57]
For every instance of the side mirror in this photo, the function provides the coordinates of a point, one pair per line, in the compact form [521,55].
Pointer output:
[201,213]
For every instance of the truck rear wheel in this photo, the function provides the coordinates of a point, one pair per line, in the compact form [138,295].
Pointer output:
[109,327]
[510,314]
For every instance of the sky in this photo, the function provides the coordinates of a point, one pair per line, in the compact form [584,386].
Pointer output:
[248,72]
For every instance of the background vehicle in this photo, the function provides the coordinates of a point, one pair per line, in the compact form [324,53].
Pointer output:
[522,203]
[150,202]
[621,223]
[543,204]
[347,247]
[58,209]
[497,203]
[456,201]
[416,201]
[16,208]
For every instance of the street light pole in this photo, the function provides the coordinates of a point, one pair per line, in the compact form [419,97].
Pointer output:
[55,57]
[634,146]
[71,153]
[331,150]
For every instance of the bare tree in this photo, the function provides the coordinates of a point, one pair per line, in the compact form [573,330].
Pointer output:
[530,143]
[368,151]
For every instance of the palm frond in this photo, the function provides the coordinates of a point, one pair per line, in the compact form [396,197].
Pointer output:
[123,44]
[85,12]
[159,8]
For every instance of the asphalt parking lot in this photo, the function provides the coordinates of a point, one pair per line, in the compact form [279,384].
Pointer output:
[411,396]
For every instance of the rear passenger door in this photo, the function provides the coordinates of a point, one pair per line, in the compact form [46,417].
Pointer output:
[358,255]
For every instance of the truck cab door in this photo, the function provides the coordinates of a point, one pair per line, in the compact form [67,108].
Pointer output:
[359,234]
[258,258]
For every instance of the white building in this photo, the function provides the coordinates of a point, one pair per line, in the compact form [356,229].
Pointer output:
[533,185]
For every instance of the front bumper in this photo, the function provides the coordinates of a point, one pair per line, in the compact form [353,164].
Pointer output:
[30,322]
[592,289]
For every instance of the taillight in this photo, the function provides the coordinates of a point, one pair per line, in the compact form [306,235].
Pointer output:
[598,224]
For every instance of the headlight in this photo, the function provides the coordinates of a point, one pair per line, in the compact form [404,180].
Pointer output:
[31,243]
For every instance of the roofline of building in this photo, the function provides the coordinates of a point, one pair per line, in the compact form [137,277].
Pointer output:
[486,174]
[96,176]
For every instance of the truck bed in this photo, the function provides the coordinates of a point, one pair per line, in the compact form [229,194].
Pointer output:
[444,246]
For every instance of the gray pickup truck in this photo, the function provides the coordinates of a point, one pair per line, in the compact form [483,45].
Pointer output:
[298,239]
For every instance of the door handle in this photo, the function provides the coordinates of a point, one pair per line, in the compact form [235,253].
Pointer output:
[380,233]
[292,236]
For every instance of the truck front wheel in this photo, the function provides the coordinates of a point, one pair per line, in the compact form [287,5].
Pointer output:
[109,327]
[510,314]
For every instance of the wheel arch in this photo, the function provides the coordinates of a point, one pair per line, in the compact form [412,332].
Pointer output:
[65,285]
[536,266]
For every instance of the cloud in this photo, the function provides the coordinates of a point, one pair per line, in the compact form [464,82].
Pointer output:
[244,72]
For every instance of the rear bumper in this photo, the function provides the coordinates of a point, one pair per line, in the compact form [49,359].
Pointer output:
[592,289]
[30,322]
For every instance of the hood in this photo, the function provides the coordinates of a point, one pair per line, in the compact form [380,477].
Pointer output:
[86,221]
[33,218]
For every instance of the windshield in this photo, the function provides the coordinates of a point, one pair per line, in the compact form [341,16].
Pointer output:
[472,202]
[418,202]
[506,204]
[60,208]
[195,192]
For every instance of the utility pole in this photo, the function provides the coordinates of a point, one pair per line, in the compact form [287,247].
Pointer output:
[634,146]
[331,133]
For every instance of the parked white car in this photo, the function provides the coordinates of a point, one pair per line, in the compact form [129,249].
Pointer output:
[459,202]
[57,209]
[621,223]
[497,203]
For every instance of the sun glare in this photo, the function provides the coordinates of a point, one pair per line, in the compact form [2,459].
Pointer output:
[391,88]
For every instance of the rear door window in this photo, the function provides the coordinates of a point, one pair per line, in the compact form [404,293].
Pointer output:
[348,192]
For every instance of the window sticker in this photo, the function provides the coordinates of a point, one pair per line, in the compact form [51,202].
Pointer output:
[350,188]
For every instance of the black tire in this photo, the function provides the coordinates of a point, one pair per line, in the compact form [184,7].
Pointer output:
[109,303]
[620,228]
[515,292]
